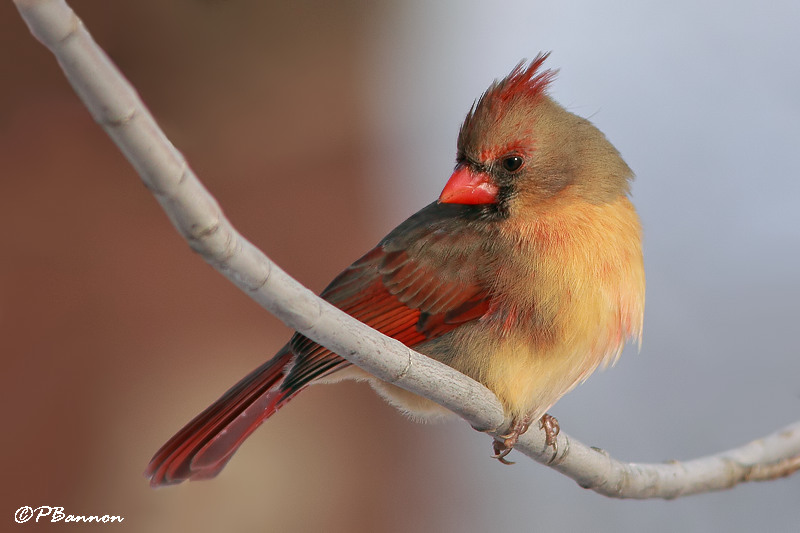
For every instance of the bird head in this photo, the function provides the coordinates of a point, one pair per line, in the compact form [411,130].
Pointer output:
[517,147]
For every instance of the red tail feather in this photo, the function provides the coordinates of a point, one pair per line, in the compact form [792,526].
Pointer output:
[203,447]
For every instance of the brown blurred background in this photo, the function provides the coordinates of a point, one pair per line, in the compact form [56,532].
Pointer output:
[114,334]
[319,126]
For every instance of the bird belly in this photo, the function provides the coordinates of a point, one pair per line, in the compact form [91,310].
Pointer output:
[527,377]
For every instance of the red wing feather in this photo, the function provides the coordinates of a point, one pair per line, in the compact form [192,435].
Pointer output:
[405,315]
[410,299]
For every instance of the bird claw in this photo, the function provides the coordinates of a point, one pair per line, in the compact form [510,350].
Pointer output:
[547,423]
[504,447]
[551,430]
[500,452]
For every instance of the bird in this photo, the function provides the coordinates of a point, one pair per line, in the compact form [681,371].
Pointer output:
[526,274]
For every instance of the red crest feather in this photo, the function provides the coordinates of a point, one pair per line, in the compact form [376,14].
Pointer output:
[524,82]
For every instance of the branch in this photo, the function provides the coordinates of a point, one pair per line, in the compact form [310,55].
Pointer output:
[115,105]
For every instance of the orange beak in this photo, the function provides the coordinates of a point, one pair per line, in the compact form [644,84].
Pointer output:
[468,187]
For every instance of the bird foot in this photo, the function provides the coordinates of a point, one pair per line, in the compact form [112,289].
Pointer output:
[502,448]
[551,430]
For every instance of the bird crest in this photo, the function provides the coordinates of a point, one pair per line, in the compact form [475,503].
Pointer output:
[523,82]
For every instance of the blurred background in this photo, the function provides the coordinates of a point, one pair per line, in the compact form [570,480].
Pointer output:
[319,126]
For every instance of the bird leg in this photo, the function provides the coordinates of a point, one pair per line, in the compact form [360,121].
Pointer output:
[519,426]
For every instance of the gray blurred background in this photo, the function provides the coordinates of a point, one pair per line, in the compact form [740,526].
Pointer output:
[319,126]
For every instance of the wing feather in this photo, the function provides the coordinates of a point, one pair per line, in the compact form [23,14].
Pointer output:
[422,281]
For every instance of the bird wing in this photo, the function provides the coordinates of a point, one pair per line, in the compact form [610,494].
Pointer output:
[424,279]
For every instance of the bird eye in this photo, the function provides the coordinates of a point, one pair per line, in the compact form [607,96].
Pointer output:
[512,163]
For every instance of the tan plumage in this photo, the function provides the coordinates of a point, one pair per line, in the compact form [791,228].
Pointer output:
[526,275]
[570,292]
[566,275]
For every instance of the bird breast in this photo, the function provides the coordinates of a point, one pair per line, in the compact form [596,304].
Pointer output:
[568,291]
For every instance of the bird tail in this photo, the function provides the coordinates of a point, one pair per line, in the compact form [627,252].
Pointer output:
[202,448]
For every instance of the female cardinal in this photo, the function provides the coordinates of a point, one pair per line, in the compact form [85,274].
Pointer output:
[525,275]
